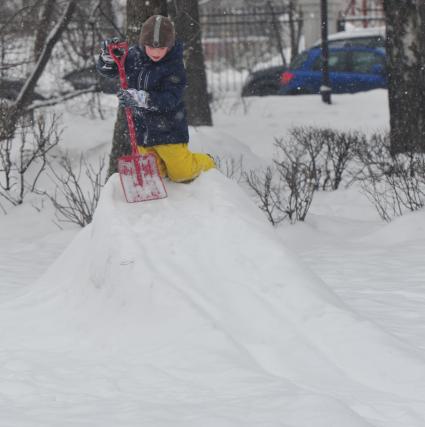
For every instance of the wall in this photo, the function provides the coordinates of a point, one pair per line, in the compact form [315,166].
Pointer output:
[311,17]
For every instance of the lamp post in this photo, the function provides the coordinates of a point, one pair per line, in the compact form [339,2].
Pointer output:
[325,88]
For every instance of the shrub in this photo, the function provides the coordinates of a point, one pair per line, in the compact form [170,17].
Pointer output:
[395,184]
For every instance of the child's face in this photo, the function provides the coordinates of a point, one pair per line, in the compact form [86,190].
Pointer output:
[156,53]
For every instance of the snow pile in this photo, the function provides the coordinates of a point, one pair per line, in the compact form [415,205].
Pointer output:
[189,311]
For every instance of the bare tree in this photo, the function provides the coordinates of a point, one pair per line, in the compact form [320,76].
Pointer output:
[27,91]
[93,20]
[405,49]
[295,27]
[76,27]
[10,114]
[186,15]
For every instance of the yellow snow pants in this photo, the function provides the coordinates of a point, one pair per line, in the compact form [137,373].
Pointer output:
[177,162]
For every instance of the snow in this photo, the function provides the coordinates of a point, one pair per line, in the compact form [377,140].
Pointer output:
[193,310]
[255,122]
[353,32]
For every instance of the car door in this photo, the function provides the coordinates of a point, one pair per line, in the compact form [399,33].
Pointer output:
[367,68]
[339,75]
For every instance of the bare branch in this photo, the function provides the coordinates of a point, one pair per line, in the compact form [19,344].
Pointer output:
[267,193]
[72,202]
[28,89]
[43,27]
[35,142]
[56,100]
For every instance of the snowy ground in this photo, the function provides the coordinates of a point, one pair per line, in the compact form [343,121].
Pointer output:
[194,311]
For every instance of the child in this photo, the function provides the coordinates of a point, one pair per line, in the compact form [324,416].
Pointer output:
[156,80]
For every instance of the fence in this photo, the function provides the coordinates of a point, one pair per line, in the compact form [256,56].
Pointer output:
[237,41]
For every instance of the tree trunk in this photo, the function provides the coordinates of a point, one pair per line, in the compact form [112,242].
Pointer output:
[405,47]
[137,13]
[189,31]
[53,37]
[293,33]
[43,27]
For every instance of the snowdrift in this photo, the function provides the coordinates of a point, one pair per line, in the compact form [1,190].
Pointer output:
[197,297]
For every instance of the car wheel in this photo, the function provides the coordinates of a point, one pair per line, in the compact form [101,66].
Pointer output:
[261,90]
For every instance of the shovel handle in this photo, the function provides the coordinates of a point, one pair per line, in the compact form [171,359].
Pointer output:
[120,61]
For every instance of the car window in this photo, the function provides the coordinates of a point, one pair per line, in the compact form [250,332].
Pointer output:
[372,41]
[298,61]
[363,62]
[337,62]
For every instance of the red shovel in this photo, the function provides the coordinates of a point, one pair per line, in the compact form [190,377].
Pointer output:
[139,174]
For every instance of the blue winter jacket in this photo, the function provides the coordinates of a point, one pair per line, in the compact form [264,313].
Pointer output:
[164,121]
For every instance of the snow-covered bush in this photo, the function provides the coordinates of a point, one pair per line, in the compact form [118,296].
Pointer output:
[285,190]
[77,189]
[24,158]
[308,159]
[231,167]
[395,184]
[326,152]
[268,191]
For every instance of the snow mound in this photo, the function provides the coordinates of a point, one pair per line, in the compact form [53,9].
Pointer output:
[407,228]
[198,294]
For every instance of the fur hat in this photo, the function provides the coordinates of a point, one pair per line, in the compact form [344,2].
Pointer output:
[158,31]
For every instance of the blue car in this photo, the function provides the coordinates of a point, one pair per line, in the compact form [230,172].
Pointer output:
[351,69]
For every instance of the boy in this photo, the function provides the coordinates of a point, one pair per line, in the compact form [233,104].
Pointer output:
[156,80]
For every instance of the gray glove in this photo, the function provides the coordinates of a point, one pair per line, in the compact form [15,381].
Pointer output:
[133,98]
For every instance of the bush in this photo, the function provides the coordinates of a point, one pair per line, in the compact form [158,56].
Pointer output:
[231,167]
[24,158]
[285,190]
[327,152]
[311,159]
[395,184]
[74,200]
[268,192]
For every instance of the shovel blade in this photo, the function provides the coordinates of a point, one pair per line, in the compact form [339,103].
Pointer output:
[140,178]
